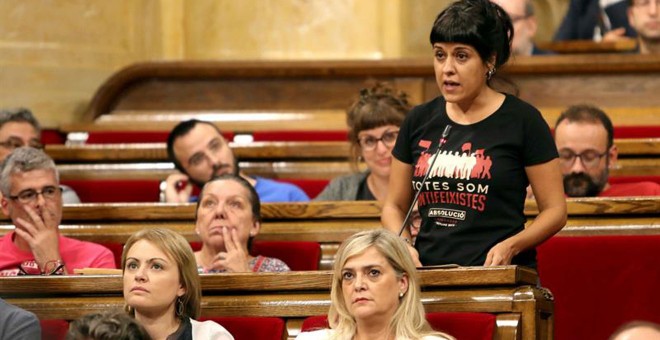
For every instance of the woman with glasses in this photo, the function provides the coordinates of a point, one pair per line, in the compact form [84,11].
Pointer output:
[471,152]
[373,125]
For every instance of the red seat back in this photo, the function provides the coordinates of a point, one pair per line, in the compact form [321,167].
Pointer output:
[600,282]
[302,136]
[111,190]
[250,328]
[54,329]
[113,137]
[312,187]
[52,136]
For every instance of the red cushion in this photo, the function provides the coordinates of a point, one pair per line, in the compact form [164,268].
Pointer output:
[304,136]
[54,329]
[298,255]
[51,136]
[636,131]
[634,179]
[312,187]
[600,282]
[110,190]
[459,325]
[116,249]
[111,137]
[250,328]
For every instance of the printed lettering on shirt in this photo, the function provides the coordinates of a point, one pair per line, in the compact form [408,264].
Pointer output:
[467,172]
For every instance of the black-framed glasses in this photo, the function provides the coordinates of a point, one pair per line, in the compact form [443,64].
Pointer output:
[369,143]
[30,195]
[14,142]
[589,158]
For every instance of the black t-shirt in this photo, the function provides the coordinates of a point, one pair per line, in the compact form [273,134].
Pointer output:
[475,193]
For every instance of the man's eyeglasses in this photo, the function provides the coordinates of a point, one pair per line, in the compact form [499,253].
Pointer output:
[13,143]
[30,195]
[516,18]
[589,158]
[369,143]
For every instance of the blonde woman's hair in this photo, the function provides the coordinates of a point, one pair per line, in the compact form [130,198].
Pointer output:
[409,321]
[178,249]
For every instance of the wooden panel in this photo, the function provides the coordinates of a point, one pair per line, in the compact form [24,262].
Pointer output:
[196,87]
[507,290]
[156,152]
[286,169]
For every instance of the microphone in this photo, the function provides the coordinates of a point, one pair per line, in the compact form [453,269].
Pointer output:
[443,140]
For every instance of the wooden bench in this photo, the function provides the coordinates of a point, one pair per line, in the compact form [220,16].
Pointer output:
[329,223]
[523,311]
[312,95]
[281,151]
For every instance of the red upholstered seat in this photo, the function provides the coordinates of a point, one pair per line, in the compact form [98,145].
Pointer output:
[110,190]
[295,136]
[635,131]
[51,136]
[54,329]
[600,282]
[112,137]
[298,255]
[116,249]
[312,187]
[634,179]
[250,328]
[475,326]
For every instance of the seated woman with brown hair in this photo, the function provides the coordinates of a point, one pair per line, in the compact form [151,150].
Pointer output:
[375,292]
[373,126]
[162,289]
[228,217]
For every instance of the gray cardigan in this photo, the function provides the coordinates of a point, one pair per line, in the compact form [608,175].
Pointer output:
[343,188]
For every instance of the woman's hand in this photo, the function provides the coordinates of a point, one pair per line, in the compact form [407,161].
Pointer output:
[235,258]
[501,254]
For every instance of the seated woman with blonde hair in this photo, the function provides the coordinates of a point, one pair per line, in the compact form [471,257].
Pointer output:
[228,217]
[375,292]
[162,289]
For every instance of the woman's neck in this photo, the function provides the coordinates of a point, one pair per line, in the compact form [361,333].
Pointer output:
[367,330]
[159,325]
[476,109]
[378,186]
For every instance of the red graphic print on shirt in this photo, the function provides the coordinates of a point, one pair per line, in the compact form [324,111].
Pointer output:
[459,178]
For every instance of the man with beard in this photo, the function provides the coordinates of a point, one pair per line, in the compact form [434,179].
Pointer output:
[200,153]
[584,139]
[644,17]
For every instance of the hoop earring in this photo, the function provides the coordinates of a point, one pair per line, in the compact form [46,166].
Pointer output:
[179,307]
[490,73]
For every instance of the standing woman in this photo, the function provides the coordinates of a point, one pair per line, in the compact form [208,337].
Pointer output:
[373,125]
[162,288]
[472,201]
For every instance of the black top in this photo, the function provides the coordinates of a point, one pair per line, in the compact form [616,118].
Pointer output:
[475,193]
